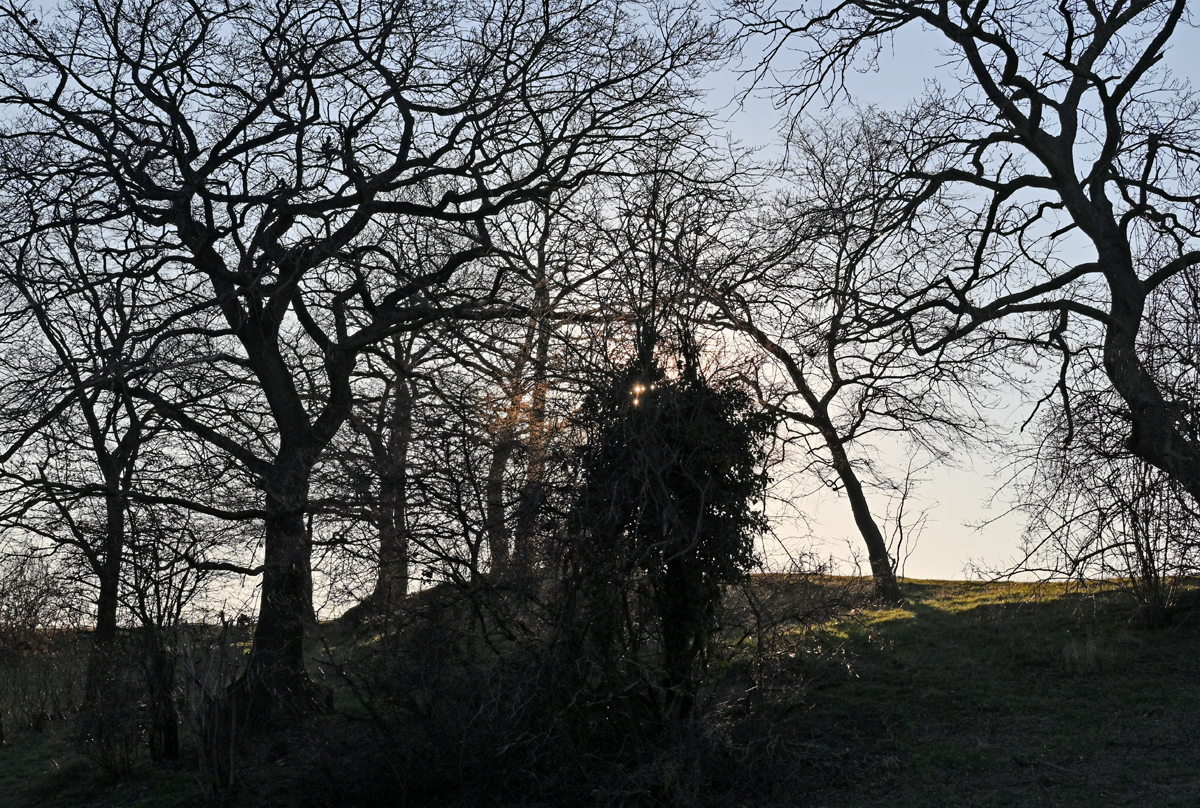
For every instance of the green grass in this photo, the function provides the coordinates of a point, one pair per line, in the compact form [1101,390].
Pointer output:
[1010,695]
[970,694]
[42,770]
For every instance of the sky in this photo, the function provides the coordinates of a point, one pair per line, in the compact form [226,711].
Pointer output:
[969,528]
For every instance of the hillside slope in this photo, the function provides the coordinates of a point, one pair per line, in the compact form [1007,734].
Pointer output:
[970,694]
[1011,695]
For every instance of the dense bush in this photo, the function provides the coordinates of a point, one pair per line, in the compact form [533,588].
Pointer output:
[672,470]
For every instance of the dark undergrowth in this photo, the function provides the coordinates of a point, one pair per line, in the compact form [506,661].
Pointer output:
[970,694]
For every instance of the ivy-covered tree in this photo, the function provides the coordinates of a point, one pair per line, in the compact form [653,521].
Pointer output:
[672,470]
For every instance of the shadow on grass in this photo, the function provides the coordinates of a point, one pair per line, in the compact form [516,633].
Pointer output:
[975,694]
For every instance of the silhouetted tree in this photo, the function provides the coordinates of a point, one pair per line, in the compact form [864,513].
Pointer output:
[263,153]
[810,284]
[1065,130]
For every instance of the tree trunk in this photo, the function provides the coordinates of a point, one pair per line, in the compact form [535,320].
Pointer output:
[104,701]
[494,522]
[1155,436]
[164,719]
[392,582]
[100,674]
[276,676]
[685,609]
[887,589]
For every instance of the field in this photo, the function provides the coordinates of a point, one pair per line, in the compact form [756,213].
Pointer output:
[971,694]
[1012,695]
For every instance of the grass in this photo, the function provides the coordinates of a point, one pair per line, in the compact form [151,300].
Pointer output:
[1010,695]
[42,770]
[969,694]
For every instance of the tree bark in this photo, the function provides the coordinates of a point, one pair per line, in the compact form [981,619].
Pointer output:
[392,582]
[276,675]
[883,573]
[101,660]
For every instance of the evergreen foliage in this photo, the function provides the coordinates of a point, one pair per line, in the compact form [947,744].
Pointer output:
[672,470]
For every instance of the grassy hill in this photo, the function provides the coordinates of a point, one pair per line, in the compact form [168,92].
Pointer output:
[1010,695]
[970,694]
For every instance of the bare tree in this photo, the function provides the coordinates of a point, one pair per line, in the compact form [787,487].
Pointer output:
[368,470]
[262,152]
[814,278]
[551,255]
[74,438]
[1065,133]
[1095,509]
[85,462]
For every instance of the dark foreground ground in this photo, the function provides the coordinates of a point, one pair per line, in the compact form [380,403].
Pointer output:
[972,694]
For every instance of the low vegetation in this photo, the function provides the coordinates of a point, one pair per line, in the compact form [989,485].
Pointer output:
[988,694]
